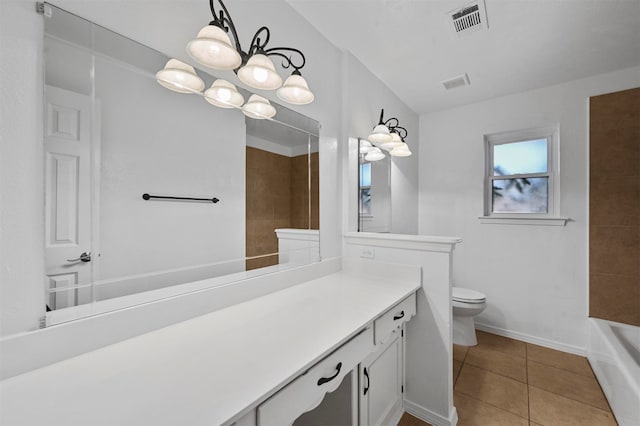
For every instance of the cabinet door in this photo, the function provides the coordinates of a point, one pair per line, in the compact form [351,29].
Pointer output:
[381,381]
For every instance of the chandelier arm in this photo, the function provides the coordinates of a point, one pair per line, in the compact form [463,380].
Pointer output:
[381,121]
[257,45]
[390,121]
[225,22]
[274,51]
[402,132]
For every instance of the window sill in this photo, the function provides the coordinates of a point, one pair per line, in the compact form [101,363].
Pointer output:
[545,221]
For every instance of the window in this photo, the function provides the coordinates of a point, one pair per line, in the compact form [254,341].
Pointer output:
[521,176]
[365,189]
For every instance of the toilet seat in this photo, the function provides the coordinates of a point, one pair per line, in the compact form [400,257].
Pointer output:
[466,295]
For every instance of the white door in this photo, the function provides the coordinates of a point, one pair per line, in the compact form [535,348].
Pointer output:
[68,197]
[381,381]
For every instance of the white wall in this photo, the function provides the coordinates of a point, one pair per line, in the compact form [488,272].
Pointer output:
[535,277]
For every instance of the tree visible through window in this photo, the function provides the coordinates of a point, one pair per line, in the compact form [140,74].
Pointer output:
[519,173]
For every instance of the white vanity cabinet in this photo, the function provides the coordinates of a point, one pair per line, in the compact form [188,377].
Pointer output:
[381,383]
[285,353]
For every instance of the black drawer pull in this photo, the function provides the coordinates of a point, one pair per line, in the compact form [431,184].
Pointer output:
[366,374]
[397,317]
[324,380]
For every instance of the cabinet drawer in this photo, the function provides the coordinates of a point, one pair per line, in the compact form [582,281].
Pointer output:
[308,390]
[394,318]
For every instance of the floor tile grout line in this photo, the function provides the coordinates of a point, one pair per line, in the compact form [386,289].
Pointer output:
[526,375]
[492,405]
[572,399]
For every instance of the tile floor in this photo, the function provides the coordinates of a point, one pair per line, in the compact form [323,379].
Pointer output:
[508,382]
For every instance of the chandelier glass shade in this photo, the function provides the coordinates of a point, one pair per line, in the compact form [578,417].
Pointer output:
[259,108]
[224,95]
[180,77]
[374,155]
[395,142]
[365,146]
[260,73]
[401,151]
[296,91]
[212,48]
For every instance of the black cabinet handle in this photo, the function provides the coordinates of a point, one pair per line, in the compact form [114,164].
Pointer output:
[366,374]
[397,317]
[324,380]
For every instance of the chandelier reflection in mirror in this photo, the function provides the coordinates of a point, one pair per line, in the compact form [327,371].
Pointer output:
[386,136]
[213,48]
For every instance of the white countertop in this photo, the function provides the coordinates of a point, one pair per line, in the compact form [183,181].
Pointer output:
[208,370]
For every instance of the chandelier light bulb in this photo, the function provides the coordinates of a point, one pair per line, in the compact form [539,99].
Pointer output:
[296,91]
[223,94]
[260,73]
[179,77]
[212,48]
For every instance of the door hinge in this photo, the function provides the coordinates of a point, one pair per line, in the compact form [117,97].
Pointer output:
[44,9]
[402,333]
[43,322]
[402,389]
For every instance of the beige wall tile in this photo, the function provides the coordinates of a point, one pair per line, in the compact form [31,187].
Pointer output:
[500,391]
[498,362]
[472,412]
[614,250]
[554,358]
[547,408]
[615,298]
[565,383]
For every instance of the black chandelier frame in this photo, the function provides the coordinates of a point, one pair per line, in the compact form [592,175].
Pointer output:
[258,42]
[393,124]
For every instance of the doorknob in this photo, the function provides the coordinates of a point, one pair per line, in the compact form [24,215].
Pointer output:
[84,257]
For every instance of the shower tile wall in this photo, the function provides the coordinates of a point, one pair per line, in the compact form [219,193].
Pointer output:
[277,196]
[614,207]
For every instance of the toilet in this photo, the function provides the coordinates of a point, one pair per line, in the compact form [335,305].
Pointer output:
[466,304]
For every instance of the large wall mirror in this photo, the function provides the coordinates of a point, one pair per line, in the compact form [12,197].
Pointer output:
[374,190]
[113,134]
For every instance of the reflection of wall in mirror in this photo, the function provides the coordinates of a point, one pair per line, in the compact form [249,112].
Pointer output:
[159,142]
[375,197]
[277,196]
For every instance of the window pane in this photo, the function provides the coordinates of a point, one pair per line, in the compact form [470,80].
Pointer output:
[365,174]
[520,157]
[524,195]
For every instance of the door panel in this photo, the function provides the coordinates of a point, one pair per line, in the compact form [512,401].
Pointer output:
[68,196]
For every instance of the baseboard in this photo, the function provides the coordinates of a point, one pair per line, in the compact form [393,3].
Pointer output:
[429,416]
[532,339]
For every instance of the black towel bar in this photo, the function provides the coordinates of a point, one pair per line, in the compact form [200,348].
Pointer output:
[166,197]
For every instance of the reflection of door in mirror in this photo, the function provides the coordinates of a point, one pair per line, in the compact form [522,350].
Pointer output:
[68,198]
[374,193]
[282,194]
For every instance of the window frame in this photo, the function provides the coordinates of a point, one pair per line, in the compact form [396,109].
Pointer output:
[551,217]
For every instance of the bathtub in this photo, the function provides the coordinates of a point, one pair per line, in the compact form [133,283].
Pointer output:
[614,354]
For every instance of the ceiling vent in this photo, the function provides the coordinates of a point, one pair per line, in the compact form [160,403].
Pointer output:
[469,18]
[459,81]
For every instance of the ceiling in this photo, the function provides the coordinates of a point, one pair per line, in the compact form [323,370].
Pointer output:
[409,44]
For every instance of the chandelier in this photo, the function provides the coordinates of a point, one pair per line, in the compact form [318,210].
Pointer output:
[213,48]
[386,136]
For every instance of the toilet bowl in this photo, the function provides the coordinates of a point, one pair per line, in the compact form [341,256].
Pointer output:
[466,304]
